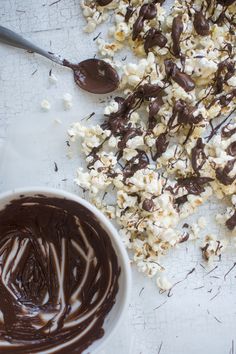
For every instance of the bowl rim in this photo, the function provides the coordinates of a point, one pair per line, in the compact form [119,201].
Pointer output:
[111,230]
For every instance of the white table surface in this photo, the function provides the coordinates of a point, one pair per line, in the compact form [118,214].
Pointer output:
[200,316]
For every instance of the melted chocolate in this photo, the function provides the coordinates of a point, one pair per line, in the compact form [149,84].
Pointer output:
[231,222]
[148,205]
[231,149]
[138,162]
[59,276]
[103,2]
[153,38]
[201,24]
[198,156]
[181,78]
[223,174]
[161,145]
[94,75]
[146,12]
[177,30]
[194,184]
[129,13]
[226,2]
[226,132]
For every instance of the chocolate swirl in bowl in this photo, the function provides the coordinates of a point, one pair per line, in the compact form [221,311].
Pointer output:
[58,276]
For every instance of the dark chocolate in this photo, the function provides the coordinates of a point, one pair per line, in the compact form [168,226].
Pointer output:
[103,2]
[148,205]
[177,30]
[231,222]
[198,156]
[201,24]
[153,38]
[94,75]
[59,276]
[146,12]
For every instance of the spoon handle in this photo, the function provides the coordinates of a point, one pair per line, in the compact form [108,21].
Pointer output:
[15,40]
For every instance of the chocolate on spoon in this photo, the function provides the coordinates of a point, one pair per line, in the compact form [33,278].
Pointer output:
[92,75]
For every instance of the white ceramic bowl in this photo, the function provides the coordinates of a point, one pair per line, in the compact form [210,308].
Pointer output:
[114,317]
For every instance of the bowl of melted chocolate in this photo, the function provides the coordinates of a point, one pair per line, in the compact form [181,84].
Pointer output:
[64,274]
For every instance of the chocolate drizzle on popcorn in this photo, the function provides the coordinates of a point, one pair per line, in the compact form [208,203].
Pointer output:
[168,143]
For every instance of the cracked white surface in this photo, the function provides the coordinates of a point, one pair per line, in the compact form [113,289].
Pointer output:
[190,321]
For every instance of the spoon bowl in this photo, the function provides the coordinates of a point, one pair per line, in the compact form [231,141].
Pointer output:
[92,75]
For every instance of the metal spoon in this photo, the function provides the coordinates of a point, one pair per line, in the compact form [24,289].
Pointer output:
[92,75]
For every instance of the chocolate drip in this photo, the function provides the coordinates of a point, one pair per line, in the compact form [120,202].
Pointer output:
[227,133]
[225,71]
[153,38]
[194,185]
[197,154]
[129,134]
[59,276]
[231,222]
[161,145]
[138,162]
[177,30]
[181,78]
[231,149]
[146,12]
[148,205]
[103,2]
[129,13]
[184,114]
[201,24]
[223,174]
[226,2]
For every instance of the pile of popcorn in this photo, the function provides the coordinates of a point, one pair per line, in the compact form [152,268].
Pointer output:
[164,154]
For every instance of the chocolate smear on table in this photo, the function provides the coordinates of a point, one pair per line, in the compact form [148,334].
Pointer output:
[231,222]
[201,24]
[103,2]
[222,174]
[59,276]
[94,75]
[152,38]
[146,12]
[176,31]
[198,156]
[181,78]
[148,205]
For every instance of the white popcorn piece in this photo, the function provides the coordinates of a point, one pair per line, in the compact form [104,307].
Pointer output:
[67,101]
[163,283]
[45,105]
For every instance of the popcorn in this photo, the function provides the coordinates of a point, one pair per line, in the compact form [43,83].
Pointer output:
[67,101]
[163,283]
[45,105]
[147,151]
